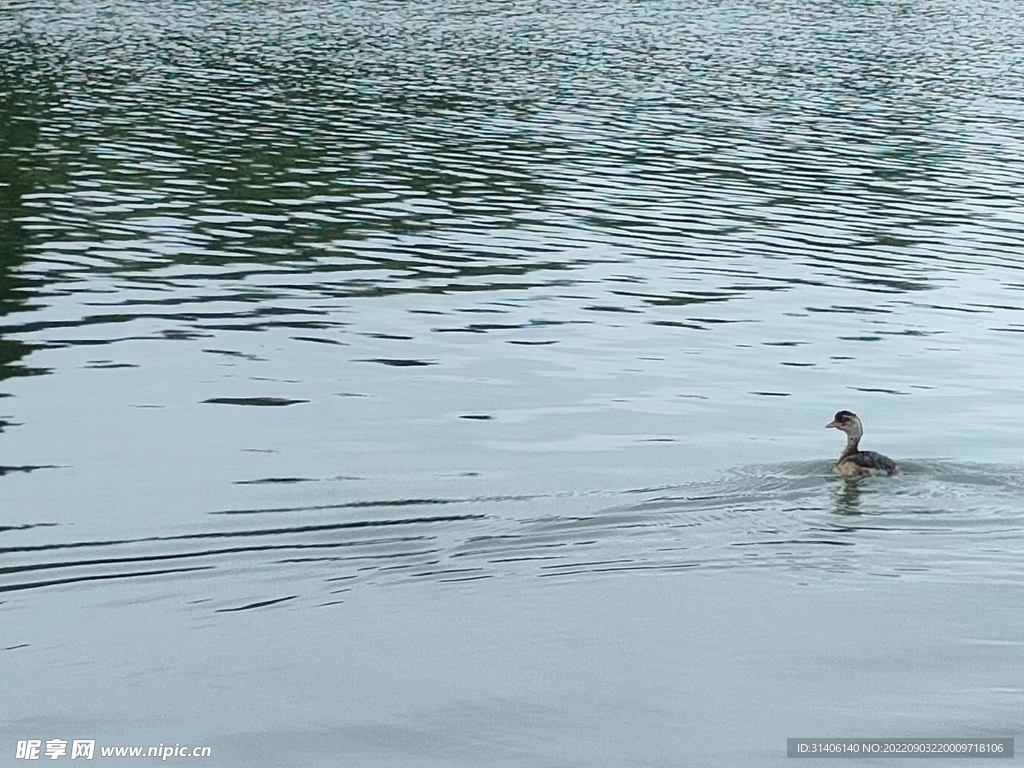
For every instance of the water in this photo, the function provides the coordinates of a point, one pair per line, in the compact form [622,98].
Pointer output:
[444,383]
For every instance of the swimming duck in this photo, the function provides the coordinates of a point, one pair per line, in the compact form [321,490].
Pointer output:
[855,462]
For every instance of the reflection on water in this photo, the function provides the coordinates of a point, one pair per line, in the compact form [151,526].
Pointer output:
[847,496]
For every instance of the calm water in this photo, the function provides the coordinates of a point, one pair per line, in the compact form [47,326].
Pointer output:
[442,383]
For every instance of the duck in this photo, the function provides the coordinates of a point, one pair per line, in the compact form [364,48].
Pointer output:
[853,461]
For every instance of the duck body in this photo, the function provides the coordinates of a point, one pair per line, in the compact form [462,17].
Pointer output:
[853,461]
[865,463]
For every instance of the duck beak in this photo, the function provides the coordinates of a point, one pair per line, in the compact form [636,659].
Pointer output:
[832,425]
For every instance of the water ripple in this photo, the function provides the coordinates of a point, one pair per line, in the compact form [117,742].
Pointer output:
[790,517]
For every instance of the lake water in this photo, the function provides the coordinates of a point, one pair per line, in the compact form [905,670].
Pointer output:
[443,383]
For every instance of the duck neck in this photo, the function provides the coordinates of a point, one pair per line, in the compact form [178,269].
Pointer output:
[852,442]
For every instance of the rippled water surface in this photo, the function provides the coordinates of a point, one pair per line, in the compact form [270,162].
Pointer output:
[442,383]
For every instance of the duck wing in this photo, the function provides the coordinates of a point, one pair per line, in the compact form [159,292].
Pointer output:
[873,461]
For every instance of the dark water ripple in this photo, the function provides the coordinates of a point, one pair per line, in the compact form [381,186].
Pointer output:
[498,255]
